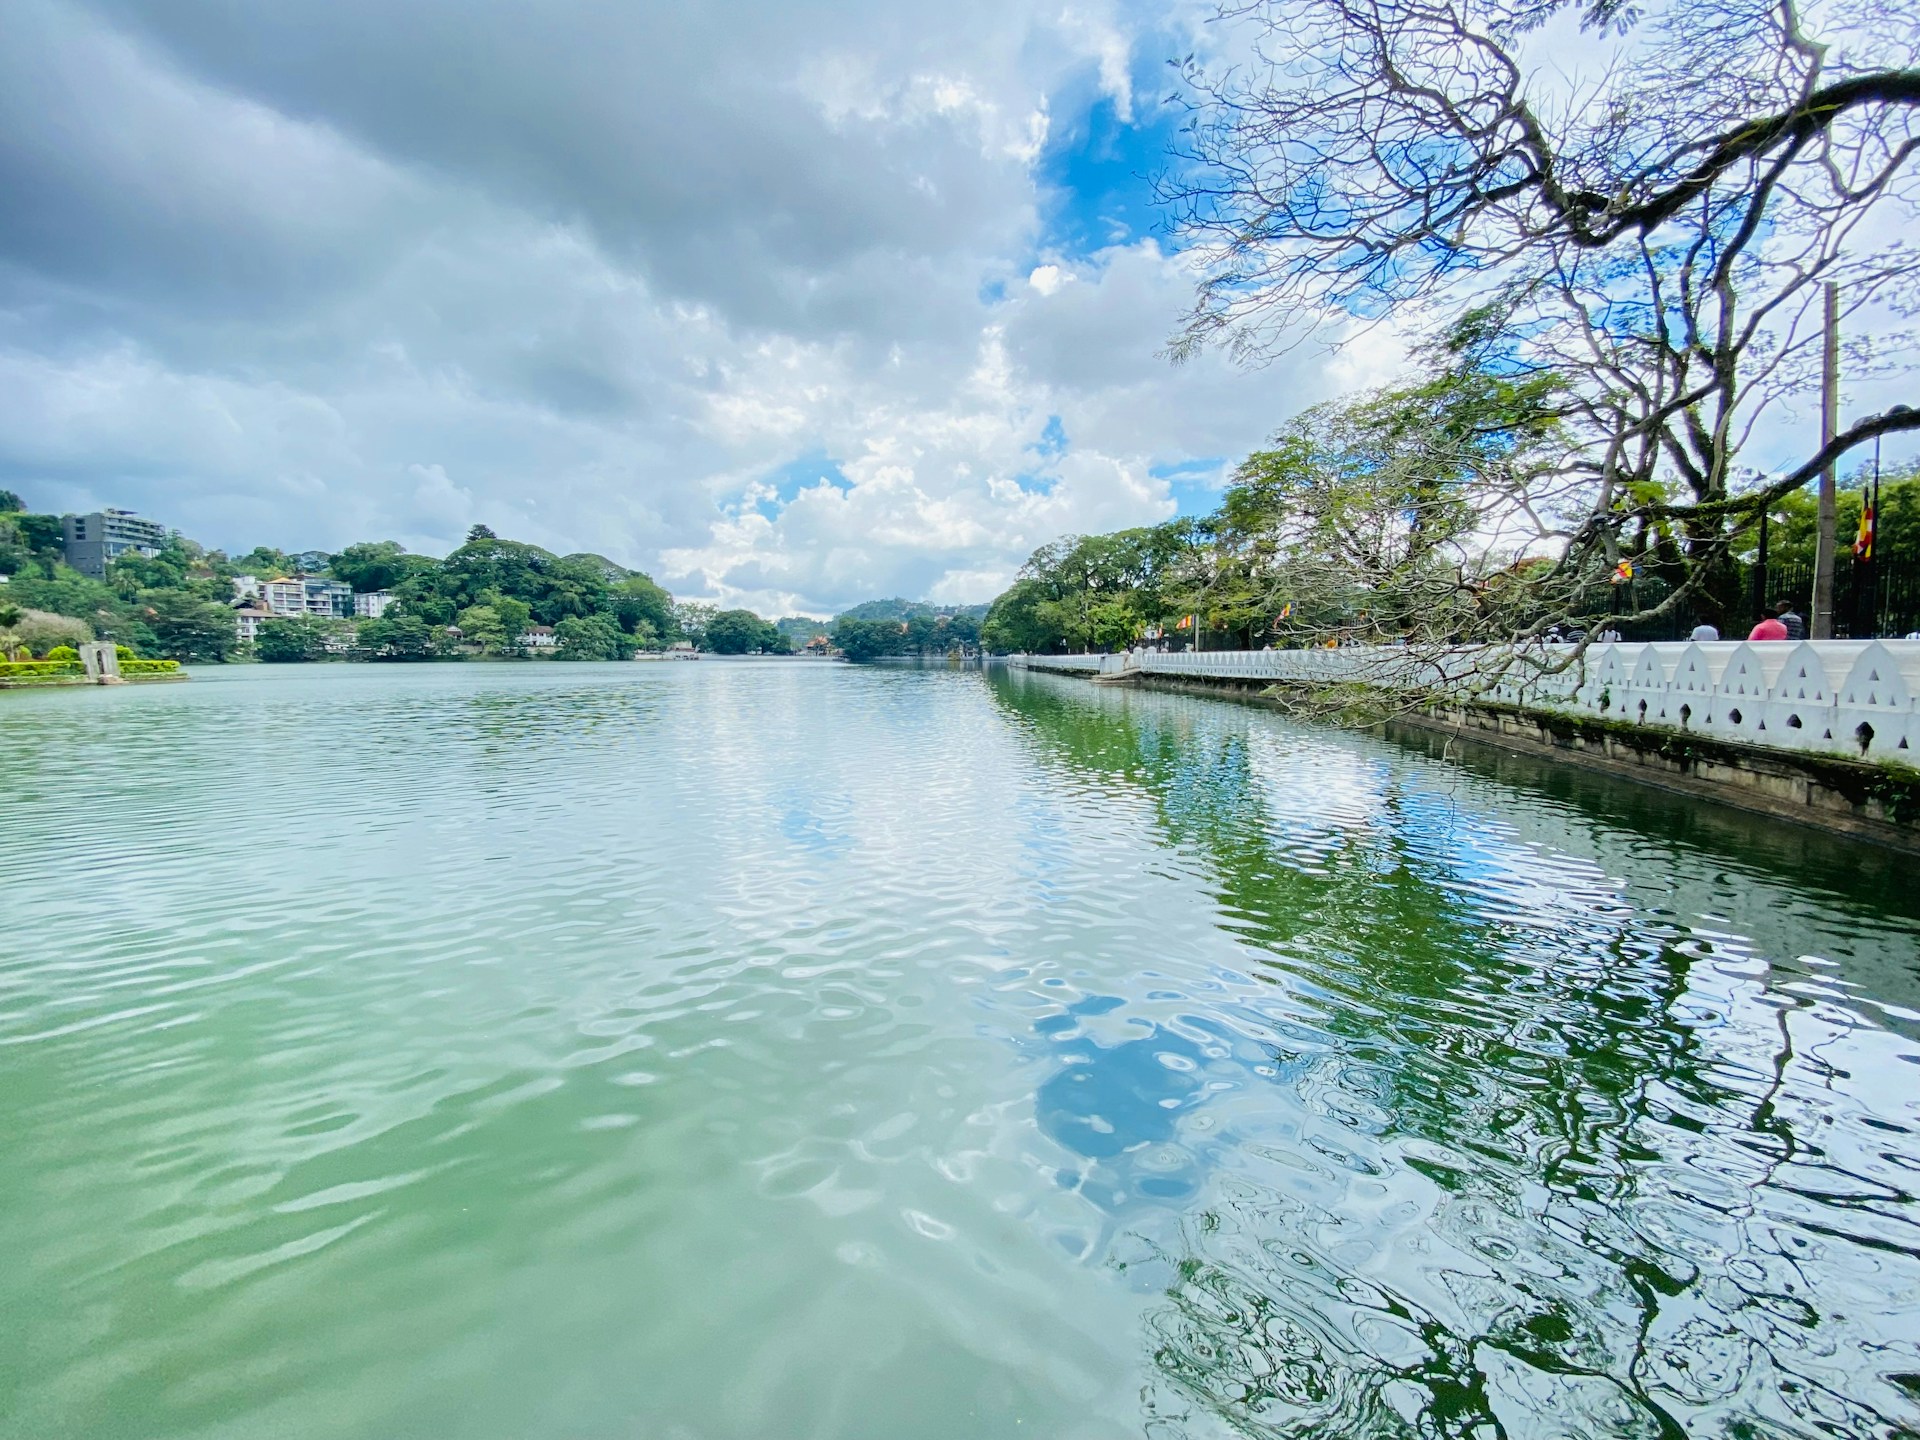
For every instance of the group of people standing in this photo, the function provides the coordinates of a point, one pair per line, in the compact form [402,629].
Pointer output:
[1782,622]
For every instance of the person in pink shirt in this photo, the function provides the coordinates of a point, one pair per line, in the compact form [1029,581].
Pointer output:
[1768,629]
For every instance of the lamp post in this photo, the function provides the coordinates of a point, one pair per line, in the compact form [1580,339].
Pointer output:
[1822,617]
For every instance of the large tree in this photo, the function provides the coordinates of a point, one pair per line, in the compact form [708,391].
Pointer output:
[293,640]
[637,601]
[375,565]
[591,637]
[741,632]
[1655,237]
[186,627]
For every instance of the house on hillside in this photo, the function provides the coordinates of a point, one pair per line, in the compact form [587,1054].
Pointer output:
[246,621]
[539,637]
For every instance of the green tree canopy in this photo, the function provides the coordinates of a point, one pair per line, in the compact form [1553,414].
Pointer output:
[265,561]
[376,565]
[863,640]
[741,632]
[636,600]
[398,637]
[187,628]
[1796,521]
[690,619]
[292,640]
[590,637]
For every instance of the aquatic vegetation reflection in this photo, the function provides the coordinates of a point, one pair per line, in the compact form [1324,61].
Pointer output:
[1527,1154]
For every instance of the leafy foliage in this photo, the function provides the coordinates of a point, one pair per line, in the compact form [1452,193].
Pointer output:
[1659,243]
[373,565]
[293,640]
[591,637]
[1402,514]
[187,628]
[741,632]
[398,637]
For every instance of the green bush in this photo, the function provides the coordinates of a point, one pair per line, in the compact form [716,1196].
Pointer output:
[38,669]
[62,652]
[125,652]
[149,667]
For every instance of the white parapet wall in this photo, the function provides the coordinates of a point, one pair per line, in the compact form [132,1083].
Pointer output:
[1854,698]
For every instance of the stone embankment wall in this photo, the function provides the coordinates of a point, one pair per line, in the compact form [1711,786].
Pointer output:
[1823,732]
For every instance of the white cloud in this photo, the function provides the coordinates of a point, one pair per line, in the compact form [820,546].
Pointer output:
[319,272]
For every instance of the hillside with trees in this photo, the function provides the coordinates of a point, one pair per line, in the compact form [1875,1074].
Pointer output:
[880,628]
[478,601]
[481,600]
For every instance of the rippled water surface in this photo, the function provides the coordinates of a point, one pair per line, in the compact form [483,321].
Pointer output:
[734,1050]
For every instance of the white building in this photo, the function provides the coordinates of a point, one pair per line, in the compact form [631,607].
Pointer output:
[372,604]
[538,637]
[306,595]
[246,622]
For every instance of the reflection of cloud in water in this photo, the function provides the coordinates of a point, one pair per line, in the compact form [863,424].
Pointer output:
[817,824]
[1122,1094]
[1317,795]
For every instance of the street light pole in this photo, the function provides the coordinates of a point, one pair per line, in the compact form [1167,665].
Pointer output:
[1822,627]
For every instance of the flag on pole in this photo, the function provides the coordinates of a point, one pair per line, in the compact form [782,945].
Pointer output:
[1622,573]
[1185,623]
[1863,540]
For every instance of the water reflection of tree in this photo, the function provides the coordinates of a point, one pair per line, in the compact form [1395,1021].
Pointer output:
[1593,1255]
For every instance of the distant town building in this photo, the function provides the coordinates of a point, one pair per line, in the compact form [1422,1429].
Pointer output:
[92,541]
[246,587]
[306,595]
[246,621]
[539,637]
[372,604]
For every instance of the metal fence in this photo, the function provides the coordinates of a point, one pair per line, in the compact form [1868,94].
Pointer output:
[1871,601]
[1877,600]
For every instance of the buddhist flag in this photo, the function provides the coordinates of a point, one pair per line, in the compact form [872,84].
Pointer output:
[1622,573]
[1185,623]
[1863,541]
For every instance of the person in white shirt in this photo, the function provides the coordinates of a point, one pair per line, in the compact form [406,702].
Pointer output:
[1704,631]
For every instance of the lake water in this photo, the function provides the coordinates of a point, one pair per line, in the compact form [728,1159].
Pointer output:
[766,1050]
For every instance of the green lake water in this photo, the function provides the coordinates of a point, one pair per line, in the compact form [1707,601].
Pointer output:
[687,1052]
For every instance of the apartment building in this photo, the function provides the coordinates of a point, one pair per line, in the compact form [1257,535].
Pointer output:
[371,604]
[92,541]
[305,595]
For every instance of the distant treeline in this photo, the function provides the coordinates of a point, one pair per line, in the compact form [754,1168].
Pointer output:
[485,598]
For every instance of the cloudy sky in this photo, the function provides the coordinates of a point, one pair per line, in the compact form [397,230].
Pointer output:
[791,304]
